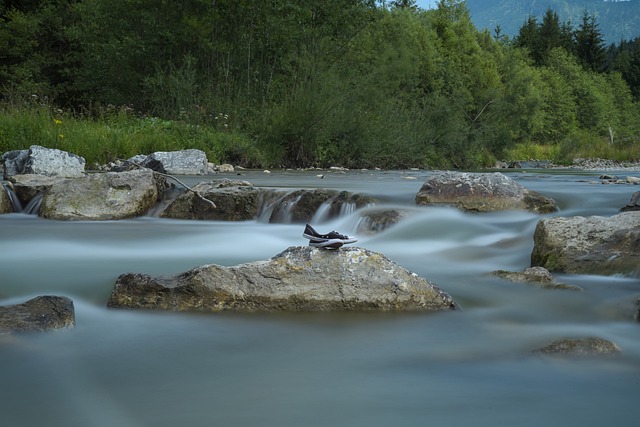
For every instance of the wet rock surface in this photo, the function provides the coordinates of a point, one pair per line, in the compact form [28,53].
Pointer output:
[39,314]
[590,245]
[579,347]
[298,279]
[481,192]
[537,276]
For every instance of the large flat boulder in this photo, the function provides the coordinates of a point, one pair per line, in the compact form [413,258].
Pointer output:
[38,314]
[481,192]
[588,245]
[103,196]
[298,279]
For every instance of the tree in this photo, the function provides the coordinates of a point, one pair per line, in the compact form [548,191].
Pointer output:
[589,44]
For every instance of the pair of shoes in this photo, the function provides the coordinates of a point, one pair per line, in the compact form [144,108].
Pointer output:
[332,240]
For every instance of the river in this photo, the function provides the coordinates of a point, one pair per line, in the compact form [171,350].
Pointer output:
[472,366]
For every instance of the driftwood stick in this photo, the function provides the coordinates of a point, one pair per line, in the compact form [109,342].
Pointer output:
[200,196]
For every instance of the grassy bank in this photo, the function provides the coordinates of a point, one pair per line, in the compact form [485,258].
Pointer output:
[118,133]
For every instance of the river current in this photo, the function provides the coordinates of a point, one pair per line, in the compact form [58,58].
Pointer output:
[472,366]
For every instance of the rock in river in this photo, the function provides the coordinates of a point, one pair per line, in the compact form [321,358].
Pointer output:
[38,314]
[104,196]
[298,279]
[482,192]
[588,245]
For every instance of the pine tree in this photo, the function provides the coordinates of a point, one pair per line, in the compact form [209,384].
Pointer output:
[589,44]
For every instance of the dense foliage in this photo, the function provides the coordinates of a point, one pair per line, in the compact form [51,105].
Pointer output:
[299,83]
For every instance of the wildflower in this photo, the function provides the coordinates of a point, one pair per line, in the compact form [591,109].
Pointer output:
[57,122]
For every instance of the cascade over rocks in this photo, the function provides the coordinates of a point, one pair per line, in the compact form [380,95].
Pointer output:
[27,186]
[593,245]
[104,196]
[300,206]
[298,279]
[43,161]
[481,192]
[38,314]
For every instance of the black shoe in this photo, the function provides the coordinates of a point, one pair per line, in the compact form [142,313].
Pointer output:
[317,238]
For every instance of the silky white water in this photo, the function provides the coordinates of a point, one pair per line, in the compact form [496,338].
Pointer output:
[473,366]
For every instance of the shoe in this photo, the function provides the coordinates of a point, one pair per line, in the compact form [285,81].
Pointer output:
[316,237]
[326,244]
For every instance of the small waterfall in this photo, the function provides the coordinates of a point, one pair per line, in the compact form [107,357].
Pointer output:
[32,208]
[323,213]
[15,202]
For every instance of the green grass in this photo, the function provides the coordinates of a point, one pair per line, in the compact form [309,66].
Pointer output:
[117,135]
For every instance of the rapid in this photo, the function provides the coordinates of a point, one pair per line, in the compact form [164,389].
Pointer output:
[472,366]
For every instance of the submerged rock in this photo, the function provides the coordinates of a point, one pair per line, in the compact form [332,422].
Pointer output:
[38,314]
[537,276]
[43,161]
[593,245]
[590,346]
[482,192]
[298,279]
[104,196]
[377,220]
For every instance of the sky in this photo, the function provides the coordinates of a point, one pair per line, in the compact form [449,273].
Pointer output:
[426,4]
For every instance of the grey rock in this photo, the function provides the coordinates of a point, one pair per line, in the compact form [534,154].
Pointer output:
[481,192]
[634,203]
[103,196]
[38,314]
[235,200]
[593,245]
[298,279]
[6,206]
[589,346]
[183,162]
[43,161]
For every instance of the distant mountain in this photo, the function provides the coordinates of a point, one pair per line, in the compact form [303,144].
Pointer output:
[618,19]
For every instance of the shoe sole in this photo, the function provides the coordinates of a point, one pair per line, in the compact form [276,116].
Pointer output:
[327,244]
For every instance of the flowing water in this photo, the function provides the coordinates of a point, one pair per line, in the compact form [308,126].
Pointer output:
[473,366]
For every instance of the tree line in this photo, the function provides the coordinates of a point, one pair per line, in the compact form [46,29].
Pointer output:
[357,83]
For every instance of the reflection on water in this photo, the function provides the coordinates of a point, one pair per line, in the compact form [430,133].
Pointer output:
[472,366]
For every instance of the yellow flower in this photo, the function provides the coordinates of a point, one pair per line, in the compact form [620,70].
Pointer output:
[57,122]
